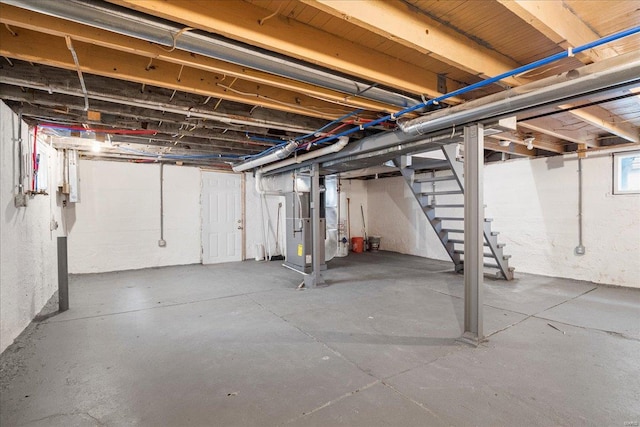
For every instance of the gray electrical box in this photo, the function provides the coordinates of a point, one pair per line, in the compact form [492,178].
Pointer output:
[299,233]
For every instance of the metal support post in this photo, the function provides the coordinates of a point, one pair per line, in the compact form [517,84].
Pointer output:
[63,275]
[315,278]
[473,231]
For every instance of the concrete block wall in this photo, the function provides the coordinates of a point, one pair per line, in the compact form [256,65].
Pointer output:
[116,224]
[28,246]
[534,206]
[357,193]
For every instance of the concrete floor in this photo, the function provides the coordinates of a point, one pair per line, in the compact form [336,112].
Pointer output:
[237,345]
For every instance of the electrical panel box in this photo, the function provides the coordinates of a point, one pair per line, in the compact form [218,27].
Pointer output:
[299,233]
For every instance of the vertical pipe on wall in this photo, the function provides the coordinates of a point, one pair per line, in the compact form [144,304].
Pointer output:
[162,243]
[580,250]
[63,275]
[20,174]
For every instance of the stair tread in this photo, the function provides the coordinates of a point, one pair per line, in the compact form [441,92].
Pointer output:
[461,252]
[449,218]
[427,178]
[453,230]
[439,193]
[447,206]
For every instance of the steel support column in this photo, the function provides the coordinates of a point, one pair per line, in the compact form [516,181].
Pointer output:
[473,231]
[315,278]
[63,275]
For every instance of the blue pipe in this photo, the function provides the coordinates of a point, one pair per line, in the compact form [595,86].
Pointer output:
[261,139]
[336,121]
[519,70]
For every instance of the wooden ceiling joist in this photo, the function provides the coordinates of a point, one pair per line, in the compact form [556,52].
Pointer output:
[241,21]
[517,150]
[557,129]
[43,49]
[397,21]
[517,141]
[560,25]
[605,120]
[22,18]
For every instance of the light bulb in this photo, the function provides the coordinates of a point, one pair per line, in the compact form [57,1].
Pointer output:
[529,142]
[96,147]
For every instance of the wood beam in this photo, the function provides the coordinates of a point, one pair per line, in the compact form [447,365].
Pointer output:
[228,121]
[517,141]
[71,108]
[184,107]
[560,25]
[17,17]
[241,21]
[605,120]
[43,49]
[557,129]
[399,22]
[517,150]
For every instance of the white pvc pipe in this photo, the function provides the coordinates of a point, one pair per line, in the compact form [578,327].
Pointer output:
[342,142]
[281,153]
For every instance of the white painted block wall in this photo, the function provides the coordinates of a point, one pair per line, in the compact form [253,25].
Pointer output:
[397,218]
[356,191]
[259,214]
[28,254]
[116,225]
[534,206]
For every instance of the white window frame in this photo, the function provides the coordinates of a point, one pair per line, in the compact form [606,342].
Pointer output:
[618,171]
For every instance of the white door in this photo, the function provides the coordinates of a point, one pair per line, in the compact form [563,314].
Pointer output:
[222,225]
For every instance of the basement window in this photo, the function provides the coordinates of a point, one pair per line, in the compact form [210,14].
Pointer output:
[626,172]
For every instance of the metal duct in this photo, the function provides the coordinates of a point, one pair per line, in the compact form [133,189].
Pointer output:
[609,75]
[125,21]
[331,201]
[279,154]
[623,69]
[342,142]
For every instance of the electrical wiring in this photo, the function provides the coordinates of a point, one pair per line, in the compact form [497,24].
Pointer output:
[267,98]
[174,37]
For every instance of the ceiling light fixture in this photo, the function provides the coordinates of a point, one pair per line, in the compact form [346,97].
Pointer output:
[504,143]
[529,141]
[96,147]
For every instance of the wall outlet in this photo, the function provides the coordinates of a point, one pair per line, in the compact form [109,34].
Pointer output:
[20,200]
[162,243]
